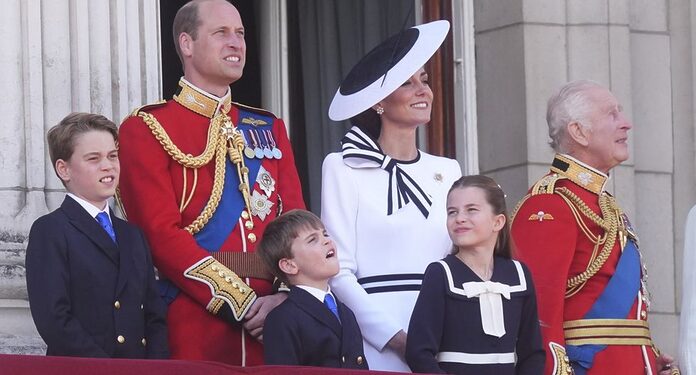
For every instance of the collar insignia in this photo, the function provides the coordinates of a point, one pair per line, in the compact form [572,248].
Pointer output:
[581,174]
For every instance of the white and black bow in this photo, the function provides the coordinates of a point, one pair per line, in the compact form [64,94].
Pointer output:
[360,151]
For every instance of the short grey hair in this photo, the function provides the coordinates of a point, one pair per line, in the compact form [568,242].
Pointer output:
[571,103]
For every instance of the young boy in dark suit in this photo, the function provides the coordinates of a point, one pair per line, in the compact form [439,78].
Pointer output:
[311,327]
[90,279]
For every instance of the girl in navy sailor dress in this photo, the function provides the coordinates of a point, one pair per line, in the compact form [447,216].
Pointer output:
[476,311]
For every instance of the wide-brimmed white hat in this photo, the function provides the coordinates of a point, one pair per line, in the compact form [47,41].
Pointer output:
[398,57]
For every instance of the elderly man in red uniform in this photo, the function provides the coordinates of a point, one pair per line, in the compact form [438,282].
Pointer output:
[202,176]
[581,248]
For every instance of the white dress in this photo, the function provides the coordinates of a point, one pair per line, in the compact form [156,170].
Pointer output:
[383,257]
[687,324]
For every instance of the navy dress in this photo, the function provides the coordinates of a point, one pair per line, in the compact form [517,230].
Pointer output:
[446,332]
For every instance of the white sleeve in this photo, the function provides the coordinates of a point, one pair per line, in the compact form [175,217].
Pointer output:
[687,324]
[456,171]
[339,212]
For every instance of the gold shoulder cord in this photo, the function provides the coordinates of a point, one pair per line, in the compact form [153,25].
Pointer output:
[223,140]
[611,224]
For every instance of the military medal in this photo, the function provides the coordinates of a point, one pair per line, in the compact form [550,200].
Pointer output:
[260,205]
[248,151]
[276,151]
[266,182]
[267,152]
[258,152]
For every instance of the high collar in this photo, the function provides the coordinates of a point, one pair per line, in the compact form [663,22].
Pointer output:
[580,173]
[200,101]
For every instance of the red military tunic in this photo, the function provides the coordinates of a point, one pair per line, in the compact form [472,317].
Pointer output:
[557,237]
[163,197]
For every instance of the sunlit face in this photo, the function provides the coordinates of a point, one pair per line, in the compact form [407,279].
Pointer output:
[471,222]
[216,58]
[410,104]
[315,258]
[608,134]
[92,171]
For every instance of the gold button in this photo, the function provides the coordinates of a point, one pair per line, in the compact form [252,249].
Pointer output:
[214,268]
[221,274]
[249,225]
[121,339]
[343,359]
[242,290]
[245,215]
[117,305]
[566,359]
[251,237]
[235,285]
[143,341]
[643,314]
[359,360]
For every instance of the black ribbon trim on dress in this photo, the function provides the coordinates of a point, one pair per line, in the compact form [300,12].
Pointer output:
[360,151]
[399,282]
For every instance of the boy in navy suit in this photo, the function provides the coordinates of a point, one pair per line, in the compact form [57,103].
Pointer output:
[90,279]
[311,327]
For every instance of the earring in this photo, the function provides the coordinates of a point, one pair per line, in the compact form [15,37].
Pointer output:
[379,110]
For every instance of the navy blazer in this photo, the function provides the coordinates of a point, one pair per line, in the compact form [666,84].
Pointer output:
[303,331]
[90,297]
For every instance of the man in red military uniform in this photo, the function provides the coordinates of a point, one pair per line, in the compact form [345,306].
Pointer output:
[581,248]
[203,176]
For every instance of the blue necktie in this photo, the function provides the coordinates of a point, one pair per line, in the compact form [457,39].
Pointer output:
[331,304]
[103,219]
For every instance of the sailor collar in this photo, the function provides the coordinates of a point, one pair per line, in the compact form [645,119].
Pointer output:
[199,101]
[580,173]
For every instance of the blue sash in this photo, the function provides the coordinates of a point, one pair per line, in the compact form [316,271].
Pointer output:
[224,219]
[615,302]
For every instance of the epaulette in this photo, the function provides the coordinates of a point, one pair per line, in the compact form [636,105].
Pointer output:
[147,106]
[546,185]
[262,111]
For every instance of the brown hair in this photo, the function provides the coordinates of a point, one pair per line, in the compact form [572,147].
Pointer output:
[496,198]
[276,242]
[186,21]
[369,122]
[61,138]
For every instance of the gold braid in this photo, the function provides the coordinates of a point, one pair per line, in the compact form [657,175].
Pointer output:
[220,131]
[609,221]
[187,160]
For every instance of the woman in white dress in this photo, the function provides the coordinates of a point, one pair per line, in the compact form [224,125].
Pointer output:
[383,200]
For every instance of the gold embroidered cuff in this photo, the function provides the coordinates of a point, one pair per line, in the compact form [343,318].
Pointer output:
[215,305]
[225,286]
[561,363]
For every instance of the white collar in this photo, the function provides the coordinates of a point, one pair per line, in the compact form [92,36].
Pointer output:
[316,292]
[91,209]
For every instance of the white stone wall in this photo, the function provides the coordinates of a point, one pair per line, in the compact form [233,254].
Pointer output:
[59,56]
[641,49]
